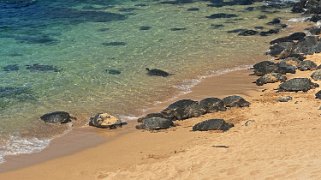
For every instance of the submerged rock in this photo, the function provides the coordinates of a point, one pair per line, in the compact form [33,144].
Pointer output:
[235,101]
[113,71]
[105,120]
[155,123]
[183,109]
[157,72]
[42,68]
[212,124]
[212,105]
[11,67]
[270,78]
[221,15]
[298,84]
[248,33]
[57,117]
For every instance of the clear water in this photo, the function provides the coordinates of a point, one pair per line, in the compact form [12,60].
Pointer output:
[83,40]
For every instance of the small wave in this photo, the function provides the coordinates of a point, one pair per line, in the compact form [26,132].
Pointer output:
[187,85]
[128,117]
[300,19]
[17,145]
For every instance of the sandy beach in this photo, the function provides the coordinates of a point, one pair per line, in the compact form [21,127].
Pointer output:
[270,140]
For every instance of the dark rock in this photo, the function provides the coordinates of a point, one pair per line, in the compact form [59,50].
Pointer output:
[150,116]
[298,36]
[114,43]
[285,99]
[297,84]
[57,117]
[318,95]
[235,101]
[307,65]
[144,28]
[155,123]
[274,21]
[248,33]
[316,75]
[212,105]
[157,72]
[270,78]
[113,71]
[212,124]
[11,67]
[42,68]
[264,67]
[221,15]
[183,109]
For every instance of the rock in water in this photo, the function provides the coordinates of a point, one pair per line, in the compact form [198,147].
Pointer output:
[212,105]
[270,78]
[316,75]
[298,84]
[155,123]
[57,117]
[264,67]
[157,72]
[235,101]
[307,65]
[183,109]
[105,120]
[212,124]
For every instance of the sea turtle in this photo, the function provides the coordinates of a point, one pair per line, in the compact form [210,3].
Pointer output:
[157,72]
[270,78]
[264,67]
[307,65]
[155,123]
[105,120]
[318,95]
[212,104]
[235,101]
[57,117]
[316,75]
[183,109]
[212,124]
[297,84]
[150,116]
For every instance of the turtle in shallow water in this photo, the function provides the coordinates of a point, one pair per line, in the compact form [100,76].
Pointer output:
[297,84]
[57,117]
[105,120]
[157,72]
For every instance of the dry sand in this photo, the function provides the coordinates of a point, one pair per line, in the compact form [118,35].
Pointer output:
[270,140]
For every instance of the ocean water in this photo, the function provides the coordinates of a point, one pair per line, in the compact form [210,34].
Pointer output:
[86,57]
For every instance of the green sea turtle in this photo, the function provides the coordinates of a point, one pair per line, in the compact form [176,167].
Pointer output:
[157,72]
[297,84]
[57,117]
[105,120]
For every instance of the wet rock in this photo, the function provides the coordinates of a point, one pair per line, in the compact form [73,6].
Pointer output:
[144,28]
[318,95]
[114,43]
[11,67]
[157,72]
[183,109]
[284,99]
[113,71]
[264,67]
[221,15]
[150,116]
[57,117]
[248,33]
[270,78]
[307,65]
[212,124]
[297,84]
[298,36]
[235,101]
[42,68]
[316,75]
[155,123]
[212,105]
[105,120]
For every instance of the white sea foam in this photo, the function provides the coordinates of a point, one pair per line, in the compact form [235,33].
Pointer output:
[17,145]
[300,19]
[128,117]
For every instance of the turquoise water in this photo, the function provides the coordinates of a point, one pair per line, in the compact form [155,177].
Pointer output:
[79,42]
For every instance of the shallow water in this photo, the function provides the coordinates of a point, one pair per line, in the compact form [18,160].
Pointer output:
[81,44]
